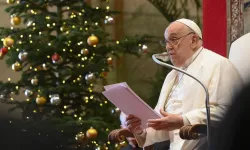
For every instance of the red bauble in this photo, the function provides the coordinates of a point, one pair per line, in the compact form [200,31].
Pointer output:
[55,57]
[4,50]
[110,60]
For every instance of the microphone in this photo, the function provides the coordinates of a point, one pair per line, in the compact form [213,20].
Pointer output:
[164,57]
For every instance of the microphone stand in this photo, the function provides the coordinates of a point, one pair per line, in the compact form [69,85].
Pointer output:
[205,89]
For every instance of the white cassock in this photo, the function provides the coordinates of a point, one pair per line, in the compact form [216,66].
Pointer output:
[187,98]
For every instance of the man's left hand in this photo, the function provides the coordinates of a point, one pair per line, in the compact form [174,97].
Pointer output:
[168,122]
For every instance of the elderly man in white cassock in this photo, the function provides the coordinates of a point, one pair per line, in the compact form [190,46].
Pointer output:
[182,99]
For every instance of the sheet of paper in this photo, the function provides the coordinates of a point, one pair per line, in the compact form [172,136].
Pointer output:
[130,103]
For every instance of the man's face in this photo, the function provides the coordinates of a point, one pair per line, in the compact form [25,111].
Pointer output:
[178,39]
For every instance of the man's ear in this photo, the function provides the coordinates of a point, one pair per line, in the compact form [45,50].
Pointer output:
[194,41]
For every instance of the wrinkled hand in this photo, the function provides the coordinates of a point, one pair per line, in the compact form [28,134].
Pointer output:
[168,122]
[133,124]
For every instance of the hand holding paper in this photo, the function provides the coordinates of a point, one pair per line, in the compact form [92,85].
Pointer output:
[129,102]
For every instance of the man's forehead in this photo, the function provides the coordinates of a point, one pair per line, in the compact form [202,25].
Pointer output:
[174,28]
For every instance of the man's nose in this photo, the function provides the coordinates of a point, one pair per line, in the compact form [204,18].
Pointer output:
[169,46]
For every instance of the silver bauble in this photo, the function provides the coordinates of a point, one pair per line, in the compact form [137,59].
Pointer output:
[23,56]
[28,93]
[34,81]
[109,20]
[90,77]
[55,99]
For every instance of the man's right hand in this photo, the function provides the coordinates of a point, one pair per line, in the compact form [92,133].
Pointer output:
[133,124]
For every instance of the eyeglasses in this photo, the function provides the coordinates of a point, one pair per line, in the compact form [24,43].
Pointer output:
[174,41]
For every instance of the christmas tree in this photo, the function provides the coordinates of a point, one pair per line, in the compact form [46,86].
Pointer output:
[64,54]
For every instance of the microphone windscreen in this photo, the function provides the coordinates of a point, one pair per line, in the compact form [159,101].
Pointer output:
[162,56]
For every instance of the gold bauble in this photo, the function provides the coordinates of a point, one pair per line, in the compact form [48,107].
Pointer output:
[41,100]
[10,1]
[15,20]
[80,137]
[91,133]
[92,40]
[16,66]
[8,42]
